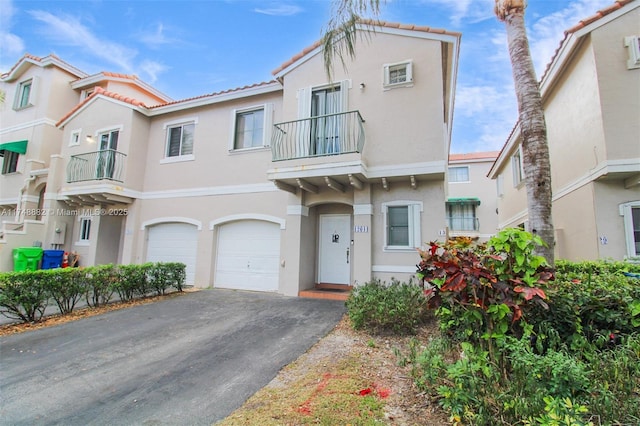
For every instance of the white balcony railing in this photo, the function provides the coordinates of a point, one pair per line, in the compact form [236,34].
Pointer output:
[106,164]
[330,134]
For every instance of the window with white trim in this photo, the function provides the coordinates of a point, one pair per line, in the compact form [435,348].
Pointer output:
[75,138]
[459,174]
[461,216]
[631,218]
[402,225]
[180,140]
[10,161]
[516,168]
[249,129]
[23,96]
[85,229]
[632,43]
[398,75]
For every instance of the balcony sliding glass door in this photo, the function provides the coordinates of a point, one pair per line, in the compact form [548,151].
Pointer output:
[106,160]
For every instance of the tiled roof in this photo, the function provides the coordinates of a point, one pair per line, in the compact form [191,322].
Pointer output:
[583,23]
[237,89]
[39,60]
[372,23]
[474,156]
[101,91]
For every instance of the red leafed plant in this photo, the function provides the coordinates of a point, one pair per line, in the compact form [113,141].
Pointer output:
[482,291]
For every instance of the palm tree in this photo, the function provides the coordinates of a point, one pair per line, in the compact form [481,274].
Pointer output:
[339,40]
[533,129]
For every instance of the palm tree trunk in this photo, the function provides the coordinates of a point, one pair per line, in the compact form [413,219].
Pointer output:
[535,150]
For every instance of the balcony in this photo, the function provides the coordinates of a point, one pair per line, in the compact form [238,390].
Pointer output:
[325,135]
[96,178]
[100,165]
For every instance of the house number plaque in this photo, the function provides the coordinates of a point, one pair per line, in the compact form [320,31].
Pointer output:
[361,229]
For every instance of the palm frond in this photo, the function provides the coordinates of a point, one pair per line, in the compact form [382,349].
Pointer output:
[340,36]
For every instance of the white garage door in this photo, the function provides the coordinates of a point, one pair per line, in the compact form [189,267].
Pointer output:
[248,256]
[174,242]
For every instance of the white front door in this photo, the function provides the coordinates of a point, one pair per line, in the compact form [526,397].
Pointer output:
[335,249]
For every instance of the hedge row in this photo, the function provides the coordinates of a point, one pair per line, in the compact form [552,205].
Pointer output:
[25,295]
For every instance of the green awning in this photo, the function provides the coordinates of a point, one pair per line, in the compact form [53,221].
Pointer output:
[464,200]
[16,146]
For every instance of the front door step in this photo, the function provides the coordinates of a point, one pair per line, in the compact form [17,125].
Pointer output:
[327,291]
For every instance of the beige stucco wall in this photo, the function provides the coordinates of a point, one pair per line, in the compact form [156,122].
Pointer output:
[619,87]
[213,164]
[417,126]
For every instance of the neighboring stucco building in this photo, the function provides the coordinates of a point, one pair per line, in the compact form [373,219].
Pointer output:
[471,208]
[591,98]
[277,186]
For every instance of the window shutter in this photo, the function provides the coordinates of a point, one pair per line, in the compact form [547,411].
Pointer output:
[304,102]
[268,124]
[35,88]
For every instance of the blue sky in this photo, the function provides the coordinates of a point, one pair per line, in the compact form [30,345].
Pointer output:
[191,48]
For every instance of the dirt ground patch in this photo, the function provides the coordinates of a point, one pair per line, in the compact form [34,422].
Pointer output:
[360,363]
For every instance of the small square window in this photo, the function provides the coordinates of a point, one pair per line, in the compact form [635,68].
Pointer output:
[180,140]
[75,138]
[10,162]
[459,174]
[398,75]
[85,229]
[249,129]
[23,97]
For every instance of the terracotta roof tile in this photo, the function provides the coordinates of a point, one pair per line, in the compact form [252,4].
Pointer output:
[474,156]
[100,91]
[237,89]
[369,22]
[583,23]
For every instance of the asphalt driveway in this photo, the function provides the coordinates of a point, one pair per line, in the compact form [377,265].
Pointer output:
[189,360]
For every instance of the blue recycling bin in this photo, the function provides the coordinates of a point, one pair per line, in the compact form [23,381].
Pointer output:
[52,259]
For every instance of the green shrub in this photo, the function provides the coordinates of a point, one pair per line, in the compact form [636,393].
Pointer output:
[65,286]
[376,306]
[23,295]
[588,303]
[100,284]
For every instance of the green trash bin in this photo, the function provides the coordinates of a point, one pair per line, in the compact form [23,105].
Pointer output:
[26,258]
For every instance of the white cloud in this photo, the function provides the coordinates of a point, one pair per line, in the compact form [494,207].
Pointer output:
[469,11]
[151,70]
[68,30]
[157,37]
[546,33]
[10,44]
[280,10]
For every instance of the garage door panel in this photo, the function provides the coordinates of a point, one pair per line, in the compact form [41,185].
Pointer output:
[248,256]
[174,242]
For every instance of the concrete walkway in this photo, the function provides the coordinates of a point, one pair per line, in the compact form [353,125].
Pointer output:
[189,360]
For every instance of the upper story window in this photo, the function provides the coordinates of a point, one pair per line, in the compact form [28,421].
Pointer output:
[24,95]
[516,168]
[249,129]
[632,43]
[459,174]
[180,140]
[10,161]
[402,225]
[398,75]
[75,138]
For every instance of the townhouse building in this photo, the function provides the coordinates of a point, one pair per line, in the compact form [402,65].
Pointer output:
[591,98]
[471,206]
[277,186]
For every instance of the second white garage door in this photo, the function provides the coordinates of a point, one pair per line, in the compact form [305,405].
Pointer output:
[174,242]
[248,256]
